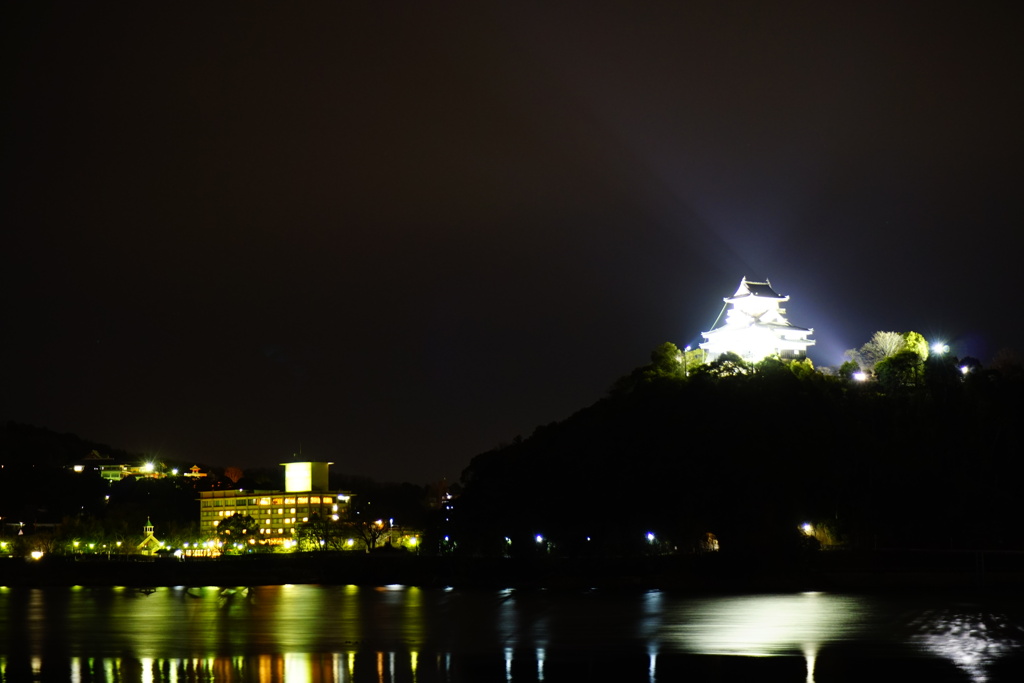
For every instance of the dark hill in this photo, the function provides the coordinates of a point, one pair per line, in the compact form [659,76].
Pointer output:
[749,453]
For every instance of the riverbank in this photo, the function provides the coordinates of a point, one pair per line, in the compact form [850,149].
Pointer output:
[874,571]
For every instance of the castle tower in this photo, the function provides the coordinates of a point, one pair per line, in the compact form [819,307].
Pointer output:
[756,326]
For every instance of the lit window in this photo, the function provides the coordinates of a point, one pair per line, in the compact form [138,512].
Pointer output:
[264,501]
[303,500]
[289,501]
[314,499]
[328,500]
[280,511]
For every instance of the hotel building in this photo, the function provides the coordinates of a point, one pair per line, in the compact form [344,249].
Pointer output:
[278,513]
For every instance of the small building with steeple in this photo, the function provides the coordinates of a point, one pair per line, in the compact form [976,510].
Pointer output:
[756,327]
[150,544]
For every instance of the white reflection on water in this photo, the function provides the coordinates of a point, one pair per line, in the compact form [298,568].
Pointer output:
[972,639]
[764,625]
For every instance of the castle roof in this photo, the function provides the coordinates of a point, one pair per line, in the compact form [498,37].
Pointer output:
[759,289]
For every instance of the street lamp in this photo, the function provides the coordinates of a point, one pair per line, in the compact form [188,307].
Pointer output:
[940,348]
[686,362]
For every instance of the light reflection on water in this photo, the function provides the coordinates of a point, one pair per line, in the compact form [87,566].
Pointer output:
[340,634]
[767,625]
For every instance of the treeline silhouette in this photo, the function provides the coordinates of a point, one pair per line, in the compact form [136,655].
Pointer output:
[750,453]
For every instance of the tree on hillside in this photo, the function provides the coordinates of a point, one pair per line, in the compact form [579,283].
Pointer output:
[881,346]
[903,369]
[667,360]
[915,341]
[728,364]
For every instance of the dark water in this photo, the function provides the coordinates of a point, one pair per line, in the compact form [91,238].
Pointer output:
[396,633]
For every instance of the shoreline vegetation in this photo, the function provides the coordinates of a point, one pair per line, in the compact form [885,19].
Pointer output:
[825,571]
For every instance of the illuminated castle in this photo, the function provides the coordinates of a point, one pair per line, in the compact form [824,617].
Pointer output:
[756,326]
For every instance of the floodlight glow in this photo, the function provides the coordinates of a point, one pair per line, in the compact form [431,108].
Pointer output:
[940,348]
[650,537]
[148,467]
[807,528]
[539,538]
[964,369]
[36,554]
[860,376]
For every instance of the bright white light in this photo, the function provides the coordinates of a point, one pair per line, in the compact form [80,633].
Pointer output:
[148,467]
[964,369]
[807,528]
[940,348]
[650,537]
[36,554]
[539,538]
[860,376]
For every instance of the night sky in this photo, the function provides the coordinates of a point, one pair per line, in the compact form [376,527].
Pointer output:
[399,237]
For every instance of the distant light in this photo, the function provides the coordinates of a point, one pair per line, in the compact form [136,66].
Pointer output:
[940,348]
[860,376]
[650,537]
[36,554]
[413,540]
[807,528]
[964,369]
[539,538]
[174,471]
[148,467]
[79,468]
